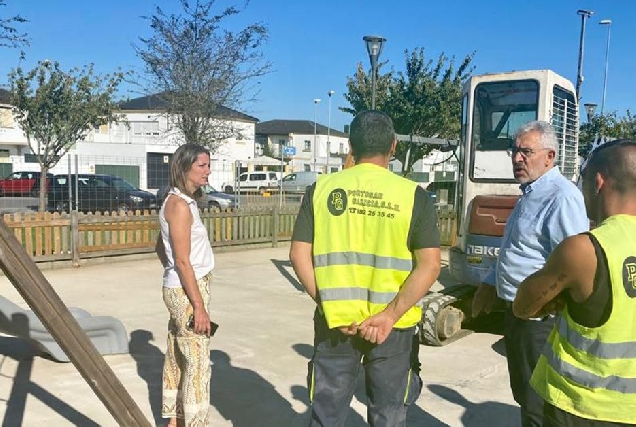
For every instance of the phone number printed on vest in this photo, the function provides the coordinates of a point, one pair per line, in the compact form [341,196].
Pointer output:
[361,202]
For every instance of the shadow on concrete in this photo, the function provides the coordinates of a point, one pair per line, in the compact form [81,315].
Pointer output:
[149,360]
[245,398]
[491,414]
[282,266]
[500,346]
[22,352]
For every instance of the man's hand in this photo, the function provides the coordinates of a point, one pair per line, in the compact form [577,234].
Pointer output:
[484,299]
[552,307]
[377,328]
[352,329]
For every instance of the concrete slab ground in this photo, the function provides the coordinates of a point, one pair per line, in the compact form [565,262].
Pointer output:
[259,354]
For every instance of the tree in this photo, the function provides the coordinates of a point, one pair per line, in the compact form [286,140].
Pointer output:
[55,109]
[9,34]
[607,125]
[199,68]
[423,100]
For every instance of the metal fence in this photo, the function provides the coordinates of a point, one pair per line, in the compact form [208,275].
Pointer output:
[146,175]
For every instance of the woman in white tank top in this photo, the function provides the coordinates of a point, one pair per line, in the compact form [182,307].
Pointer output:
[185,252]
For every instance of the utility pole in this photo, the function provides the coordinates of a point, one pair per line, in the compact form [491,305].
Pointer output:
[316,101]
[579,76]
[331,92]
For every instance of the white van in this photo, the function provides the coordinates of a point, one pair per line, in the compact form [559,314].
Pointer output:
[250,181]
[297,182]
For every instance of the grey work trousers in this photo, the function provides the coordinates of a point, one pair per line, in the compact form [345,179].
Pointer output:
[524,341]
[391,375]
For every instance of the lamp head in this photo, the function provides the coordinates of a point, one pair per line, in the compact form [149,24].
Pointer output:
[316,101]
[590,109]
[605,22]
[374,45]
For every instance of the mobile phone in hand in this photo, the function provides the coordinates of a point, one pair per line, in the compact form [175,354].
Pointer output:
[213,326]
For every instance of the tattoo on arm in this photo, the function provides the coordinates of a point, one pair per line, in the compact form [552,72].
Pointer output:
[540,298]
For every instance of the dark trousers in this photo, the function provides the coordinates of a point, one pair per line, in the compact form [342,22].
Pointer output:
[555,417]
[525,340]
[391,375]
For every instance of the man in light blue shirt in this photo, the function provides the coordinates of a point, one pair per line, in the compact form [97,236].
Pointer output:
[550,209]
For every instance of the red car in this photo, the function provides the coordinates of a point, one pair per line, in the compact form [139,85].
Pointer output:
[22,184]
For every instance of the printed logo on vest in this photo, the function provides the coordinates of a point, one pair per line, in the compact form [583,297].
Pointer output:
[337,202]
[629,276]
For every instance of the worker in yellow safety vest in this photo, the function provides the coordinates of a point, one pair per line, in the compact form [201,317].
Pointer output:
[587,373]
[366,248]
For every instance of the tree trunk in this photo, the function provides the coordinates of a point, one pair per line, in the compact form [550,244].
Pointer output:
[43,188]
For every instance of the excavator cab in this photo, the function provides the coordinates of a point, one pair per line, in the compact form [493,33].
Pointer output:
[494,106]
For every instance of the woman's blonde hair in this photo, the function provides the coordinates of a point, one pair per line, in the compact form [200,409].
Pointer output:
[182,161]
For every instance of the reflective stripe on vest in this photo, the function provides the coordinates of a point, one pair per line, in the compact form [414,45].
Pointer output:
[358,258]
[602,350]
[356,294]
[588,379]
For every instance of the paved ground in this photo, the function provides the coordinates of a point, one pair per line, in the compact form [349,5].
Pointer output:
[259,355]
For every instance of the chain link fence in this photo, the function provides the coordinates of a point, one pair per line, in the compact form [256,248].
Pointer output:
[91,183]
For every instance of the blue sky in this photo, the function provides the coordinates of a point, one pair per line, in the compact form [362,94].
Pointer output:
[315,45]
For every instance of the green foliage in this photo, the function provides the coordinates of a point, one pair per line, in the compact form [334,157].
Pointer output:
[422,100]
[9,34]
[198,68]
[55,109]
[608,125]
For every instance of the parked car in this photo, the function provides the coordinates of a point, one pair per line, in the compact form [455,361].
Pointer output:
[212,198]
[23,184]
[297,182]
[250,181]
[97,193]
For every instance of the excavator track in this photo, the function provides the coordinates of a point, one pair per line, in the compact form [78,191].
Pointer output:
[441,321]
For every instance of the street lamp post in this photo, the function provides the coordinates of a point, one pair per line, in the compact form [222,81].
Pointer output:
[374,49]
[316,101]
[331,92]
[607,22]
[281,145]
[579,75]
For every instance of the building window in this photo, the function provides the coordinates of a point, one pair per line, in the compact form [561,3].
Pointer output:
[6,118]
[145,128]
[341,151]
[307,145]
[307,168]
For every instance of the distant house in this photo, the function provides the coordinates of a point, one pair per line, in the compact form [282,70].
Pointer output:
[138,149]
[300,147]
[438,172]
[12,140]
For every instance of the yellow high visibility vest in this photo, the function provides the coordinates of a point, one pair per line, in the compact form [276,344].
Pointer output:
[591,372]
[362,217]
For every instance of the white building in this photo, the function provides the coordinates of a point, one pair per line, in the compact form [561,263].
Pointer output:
[138,149]
[437,172]
[302,148]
